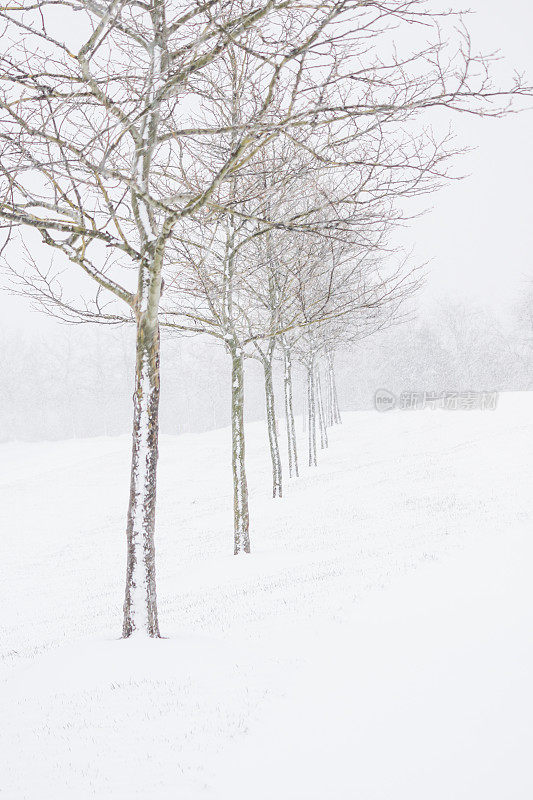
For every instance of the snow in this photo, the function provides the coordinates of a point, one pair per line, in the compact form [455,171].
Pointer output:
[425,691]
[375,644]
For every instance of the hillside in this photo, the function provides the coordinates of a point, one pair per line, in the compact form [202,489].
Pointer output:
[377,638]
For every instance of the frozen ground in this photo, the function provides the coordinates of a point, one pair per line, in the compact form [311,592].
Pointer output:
[376,645]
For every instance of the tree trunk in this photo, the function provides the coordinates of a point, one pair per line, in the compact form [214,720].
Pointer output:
[311,414]
[240,487]
[321,416]
[289,413]
[272,430]
[329,397]
[332,387]
[140,606]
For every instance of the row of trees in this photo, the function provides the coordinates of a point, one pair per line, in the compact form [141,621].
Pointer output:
[71,381]
[227,167]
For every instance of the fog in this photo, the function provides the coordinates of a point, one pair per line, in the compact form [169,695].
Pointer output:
[56,384]
[475,238]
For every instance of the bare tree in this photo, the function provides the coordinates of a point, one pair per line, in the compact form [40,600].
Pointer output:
[333,414]
[93,160]
[251,284]
[106,118]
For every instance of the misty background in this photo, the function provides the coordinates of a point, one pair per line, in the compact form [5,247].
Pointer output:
[471,327]
[56,385]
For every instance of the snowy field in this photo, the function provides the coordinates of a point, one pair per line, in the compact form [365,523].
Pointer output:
[377,644]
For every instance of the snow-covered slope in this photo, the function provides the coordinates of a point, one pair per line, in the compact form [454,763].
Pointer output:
[376,644]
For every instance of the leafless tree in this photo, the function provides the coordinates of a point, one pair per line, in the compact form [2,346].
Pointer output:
[106,114]
[252,285]
[379,297]
[93,159]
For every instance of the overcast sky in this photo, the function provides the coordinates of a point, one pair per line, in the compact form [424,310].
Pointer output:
[478,236]
[479,233]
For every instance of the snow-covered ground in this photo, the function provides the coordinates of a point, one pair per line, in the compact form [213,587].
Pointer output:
[377,644]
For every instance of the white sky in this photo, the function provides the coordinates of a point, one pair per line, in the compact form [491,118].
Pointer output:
[478,236]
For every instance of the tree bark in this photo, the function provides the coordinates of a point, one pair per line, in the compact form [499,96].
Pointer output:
[329,396]
[289,413]
[240,486]
[140,605]
[272,430]
[311,414]
[321,416]
[332,388]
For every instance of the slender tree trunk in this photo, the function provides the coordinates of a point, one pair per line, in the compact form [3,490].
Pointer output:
[321,416]
[140,605]
[336,414]
[289,413]
[272,430]
[240,486]
[311,414]
[329,398]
